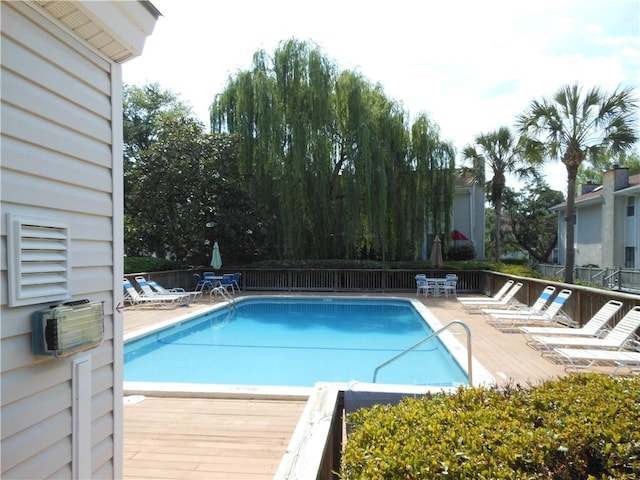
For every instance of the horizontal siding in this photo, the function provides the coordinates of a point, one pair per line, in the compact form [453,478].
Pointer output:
[42,376]
[57,167]
[39,439]
[52,137]
[102,464]
[56,164]
[43,404]
[32,98]
[21,60]
[46,194]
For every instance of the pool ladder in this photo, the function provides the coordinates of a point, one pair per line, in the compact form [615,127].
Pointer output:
[426,339]
[224,294]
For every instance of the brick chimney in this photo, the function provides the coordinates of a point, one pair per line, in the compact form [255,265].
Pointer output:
[616,178]
[588,187]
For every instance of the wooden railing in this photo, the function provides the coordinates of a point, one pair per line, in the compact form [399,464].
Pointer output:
[327,280]
[581,306]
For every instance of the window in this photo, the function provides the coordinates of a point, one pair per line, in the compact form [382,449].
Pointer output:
[38,261]
[631,204]
[629,257]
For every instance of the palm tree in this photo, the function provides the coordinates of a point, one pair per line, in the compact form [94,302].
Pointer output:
[500,152]
[573,127]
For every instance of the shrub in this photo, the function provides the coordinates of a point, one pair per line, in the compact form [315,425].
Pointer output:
[581,426]
[147,264]
[462,252]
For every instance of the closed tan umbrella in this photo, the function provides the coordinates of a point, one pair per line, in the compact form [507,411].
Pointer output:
[436,253]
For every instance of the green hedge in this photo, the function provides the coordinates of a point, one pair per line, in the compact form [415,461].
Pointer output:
[577,427]
[148,264]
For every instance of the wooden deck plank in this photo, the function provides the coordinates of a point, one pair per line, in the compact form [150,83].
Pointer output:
[217,438]
[207,438]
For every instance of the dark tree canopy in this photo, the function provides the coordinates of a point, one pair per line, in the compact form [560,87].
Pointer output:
[183,190]
[530,222]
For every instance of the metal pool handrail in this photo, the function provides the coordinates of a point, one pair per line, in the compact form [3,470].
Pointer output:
[426,339]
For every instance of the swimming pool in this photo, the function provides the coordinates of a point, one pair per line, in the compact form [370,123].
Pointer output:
[298,341]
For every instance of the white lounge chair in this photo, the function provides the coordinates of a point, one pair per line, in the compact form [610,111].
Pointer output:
[149,292]
[615,339]
[579,358]
[592,328]
[174,291]
[484,298]
[509,320]
[506,300]
[537,306]
[136,298]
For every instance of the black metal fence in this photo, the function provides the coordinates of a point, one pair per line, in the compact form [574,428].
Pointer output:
[623,279]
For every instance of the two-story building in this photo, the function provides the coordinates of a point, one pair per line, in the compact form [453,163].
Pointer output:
[469,214]
[607,230]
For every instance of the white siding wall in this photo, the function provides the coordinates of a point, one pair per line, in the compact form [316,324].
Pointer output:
[589,235]
[56,163]
[468,217]
[631,228]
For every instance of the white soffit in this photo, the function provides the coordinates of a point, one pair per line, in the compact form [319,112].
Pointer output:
[118,29]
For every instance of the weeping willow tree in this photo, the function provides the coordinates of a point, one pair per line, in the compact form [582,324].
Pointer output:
[330,159]
[435,164]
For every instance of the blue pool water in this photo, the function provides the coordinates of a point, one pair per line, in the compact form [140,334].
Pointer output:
[295,342]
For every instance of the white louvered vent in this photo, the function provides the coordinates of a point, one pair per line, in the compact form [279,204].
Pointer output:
[38,261]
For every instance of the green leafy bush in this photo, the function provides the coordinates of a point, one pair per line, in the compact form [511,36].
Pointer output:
[147,264]
[462,252]
[576,427]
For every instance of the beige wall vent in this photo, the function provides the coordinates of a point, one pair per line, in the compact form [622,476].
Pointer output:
[38,261]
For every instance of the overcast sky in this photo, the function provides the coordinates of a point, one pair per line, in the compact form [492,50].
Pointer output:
[472,65]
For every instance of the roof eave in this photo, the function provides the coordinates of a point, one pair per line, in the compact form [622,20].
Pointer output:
[117,29]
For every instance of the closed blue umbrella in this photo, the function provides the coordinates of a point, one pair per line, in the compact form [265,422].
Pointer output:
[216,258]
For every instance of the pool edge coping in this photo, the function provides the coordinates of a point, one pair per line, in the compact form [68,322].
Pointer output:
[481,376]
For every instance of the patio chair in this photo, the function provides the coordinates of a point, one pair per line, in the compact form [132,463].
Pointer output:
[592,328]
[202,283]
[421,283]
[580,358]
[499,294]
[236,280]
[135,298]
[226,282]
[509,319]
[174,291]
[450,285]
[537,306]
[149,292]
[615,339]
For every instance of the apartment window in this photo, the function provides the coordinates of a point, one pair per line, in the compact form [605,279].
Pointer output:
[630,257]
[631,206]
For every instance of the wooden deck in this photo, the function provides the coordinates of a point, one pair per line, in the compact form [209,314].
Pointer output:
[198,438]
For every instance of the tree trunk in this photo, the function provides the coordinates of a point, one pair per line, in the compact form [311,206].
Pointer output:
[571,223]
[496,233]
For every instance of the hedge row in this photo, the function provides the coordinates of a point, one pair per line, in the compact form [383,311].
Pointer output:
[577,427]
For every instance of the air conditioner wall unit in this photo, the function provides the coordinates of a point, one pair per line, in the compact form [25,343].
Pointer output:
[72,327]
